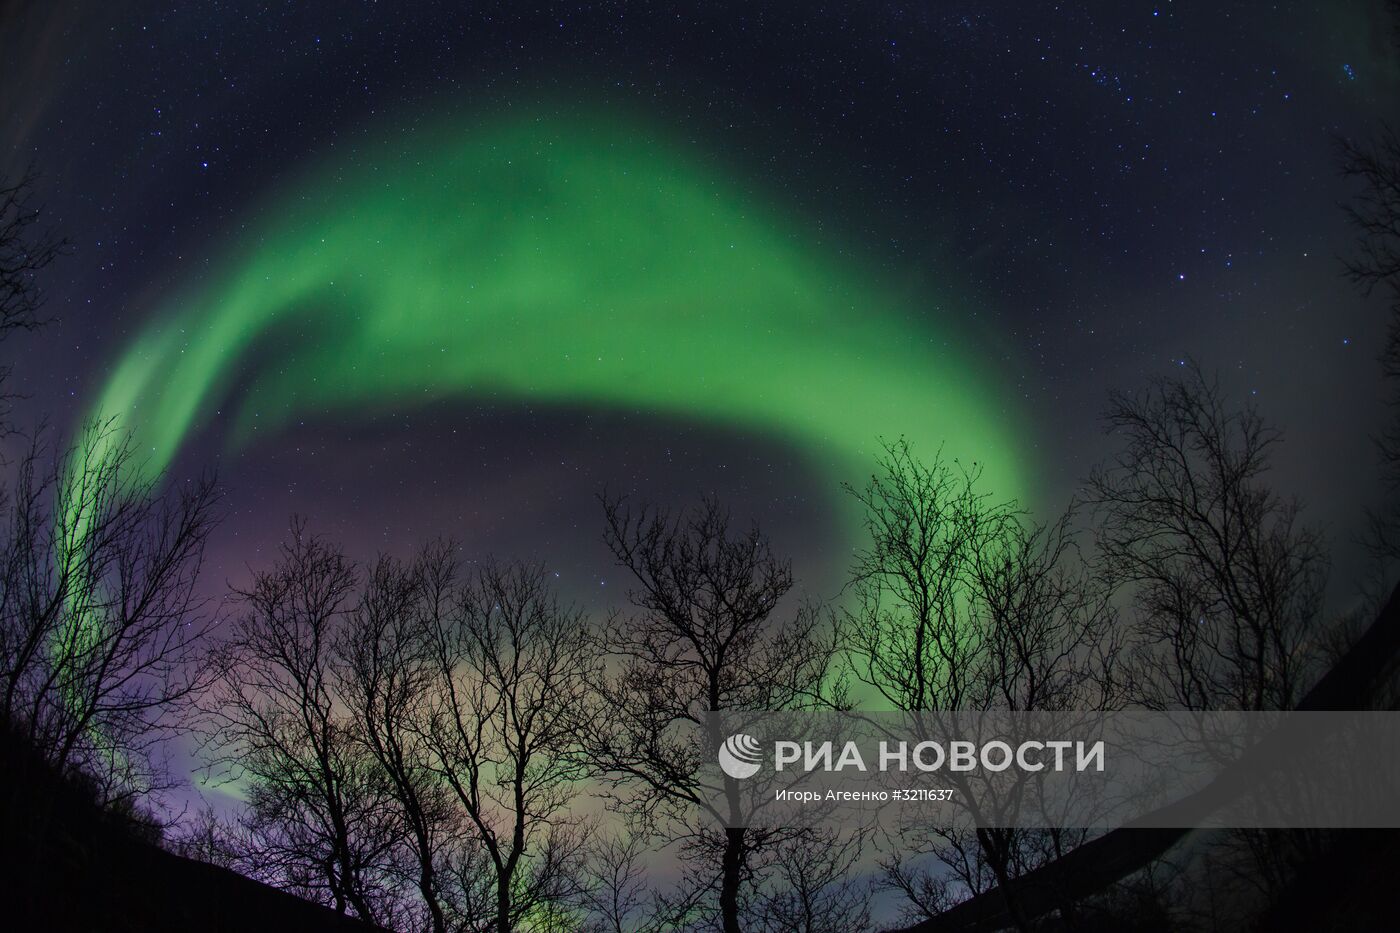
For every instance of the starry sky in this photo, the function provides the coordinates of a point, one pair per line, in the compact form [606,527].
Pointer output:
[989,215]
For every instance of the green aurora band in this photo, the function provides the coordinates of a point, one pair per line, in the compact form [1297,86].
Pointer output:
[580,262]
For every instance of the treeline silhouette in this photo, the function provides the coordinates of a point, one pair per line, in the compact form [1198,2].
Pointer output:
[439,743]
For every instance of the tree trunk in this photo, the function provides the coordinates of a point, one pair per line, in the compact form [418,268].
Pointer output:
[730,876]
[996,850]
[503,924]
[428,888]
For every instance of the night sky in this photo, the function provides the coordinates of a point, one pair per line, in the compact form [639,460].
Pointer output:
[760,223]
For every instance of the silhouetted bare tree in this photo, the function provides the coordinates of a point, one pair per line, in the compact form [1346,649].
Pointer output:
[513,667]
[958,603]
[910,635]
[618,894]
[388,674]
[1223,579]
[809,883]
[1226,581]
[25,250]
[320,816]
[100,625]
[1375,215]
[703,638]
[409,741]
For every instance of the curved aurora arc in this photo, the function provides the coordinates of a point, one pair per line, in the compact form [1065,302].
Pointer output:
[577,262]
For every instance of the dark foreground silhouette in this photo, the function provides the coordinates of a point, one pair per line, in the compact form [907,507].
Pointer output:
[1348,886]
[67,864]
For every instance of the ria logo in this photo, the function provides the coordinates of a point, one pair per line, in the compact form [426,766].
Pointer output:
[740,756]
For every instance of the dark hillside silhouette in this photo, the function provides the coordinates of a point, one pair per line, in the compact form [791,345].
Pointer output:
[69,864]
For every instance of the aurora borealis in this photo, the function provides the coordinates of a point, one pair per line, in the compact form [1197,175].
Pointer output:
[577,261]
[404,320]
[427,270]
